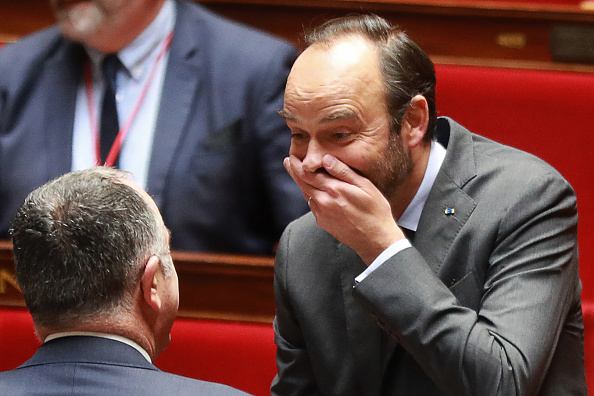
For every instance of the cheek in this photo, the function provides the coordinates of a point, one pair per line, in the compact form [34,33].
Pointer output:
[358,161]
[298,149]
[359,155]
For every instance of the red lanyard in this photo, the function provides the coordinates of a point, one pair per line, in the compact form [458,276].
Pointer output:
[119,140]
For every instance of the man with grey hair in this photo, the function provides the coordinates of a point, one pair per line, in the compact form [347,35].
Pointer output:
[91,254]
[435,261]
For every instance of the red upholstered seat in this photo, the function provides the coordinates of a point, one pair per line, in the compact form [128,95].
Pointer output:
[238,354]
[18,341]
[241,355]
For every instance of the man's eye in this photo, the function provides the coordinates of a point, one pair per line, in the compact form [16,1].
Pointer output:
[341,135]
[297,136]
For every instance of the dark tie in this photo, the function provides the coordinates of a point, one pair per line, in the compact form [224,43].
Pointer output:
[109,112]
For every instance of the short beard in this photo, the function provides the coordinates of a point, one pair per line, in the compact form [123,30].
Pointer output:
[394,168]
[80,24]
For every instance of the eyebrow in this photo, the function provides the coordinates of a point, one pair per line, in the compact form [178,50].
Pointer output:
[339,115]
[286,115]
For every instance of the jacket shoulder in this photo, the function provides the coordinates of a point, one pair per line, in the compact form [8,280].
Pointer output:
[226,33]
[190,386]
[17,59]
[31,46]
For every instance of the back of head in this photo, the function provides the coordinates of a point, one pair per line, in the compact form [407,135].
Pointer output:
[80,242]
[406,69]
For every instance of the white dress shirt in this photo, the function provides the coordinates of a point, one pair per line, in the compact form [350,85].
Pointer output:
[412,214]
[138,59]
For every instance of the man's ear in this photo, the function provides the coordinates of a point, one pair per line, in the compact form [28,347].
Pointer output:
[150,283]
[415,122]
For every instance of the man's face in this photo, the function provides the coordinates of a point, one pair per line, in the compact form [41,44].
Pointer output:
[106,25]
[335,104]
[83,20]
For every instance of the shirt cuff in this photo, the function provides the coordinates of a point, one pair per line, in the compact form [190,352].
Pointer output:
[392,250]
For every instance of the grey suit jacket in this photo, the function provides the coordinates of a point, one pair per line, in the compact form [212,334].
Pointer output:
[487,302]
[98,366]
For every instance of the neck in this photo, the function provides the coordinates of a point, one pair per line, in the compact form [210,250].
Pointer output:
[409,187]
[124,325]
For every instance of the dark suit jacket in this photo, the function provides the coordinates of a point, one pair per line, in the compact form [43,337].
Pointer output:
[216,168]
[98,366]
[487,302]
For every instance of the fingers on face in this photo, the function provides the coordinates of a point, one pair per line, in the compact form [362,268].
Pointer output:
[329,184]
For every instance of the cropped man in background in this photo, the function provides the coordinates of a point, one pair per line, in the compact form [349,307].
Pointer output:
[92,259]
[434,261]
[189,106]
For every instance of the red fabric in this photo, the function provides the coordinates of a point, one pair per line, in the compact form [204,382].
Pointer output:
[241,355]
[18,341]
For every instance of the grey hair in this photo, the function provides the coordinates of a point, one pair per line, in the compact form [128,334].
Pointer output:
[80,243]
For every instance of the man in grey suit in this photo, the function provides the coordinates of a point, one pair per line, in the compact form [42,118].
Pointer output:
[92,258]
[434,261]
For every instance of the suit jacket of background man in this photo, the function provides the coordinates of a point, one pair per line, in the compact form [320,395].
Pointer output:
[216,169]
[98,366]
[487,302]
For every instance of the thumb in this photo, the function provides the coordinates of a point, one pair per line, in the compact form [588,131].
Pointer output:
[341,171]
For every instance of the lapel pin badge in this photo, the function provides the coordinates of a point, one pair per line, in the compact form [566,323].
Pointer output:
[449,211]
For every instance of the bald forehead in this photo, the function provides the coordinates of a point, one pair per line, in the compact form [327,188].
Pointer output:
[143,194]
[345,54]
[326,74]
[347,63]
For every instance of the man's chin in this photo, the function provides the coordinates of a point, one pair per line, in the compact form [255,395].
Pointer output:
[80,20]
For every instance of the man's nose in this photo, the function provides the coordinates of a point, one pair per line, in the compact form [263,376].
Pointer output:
[313,158]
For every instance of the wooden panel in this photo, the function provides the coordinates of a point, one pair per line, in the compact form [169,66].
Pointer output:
[476,32]
[462,31]
[212,286]
[21,17]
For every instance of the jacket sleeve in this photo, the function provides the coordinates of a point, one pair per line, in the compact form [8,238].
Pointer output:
[295,373]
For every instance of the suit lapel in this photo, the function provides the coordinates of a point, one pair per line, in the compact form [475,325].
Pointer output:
[177,100]
[448,207]
[63,73]
[369,346]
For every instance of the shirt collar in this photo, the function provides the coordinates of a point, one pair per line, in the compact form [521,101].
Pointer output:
[412,214]
[114,337]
